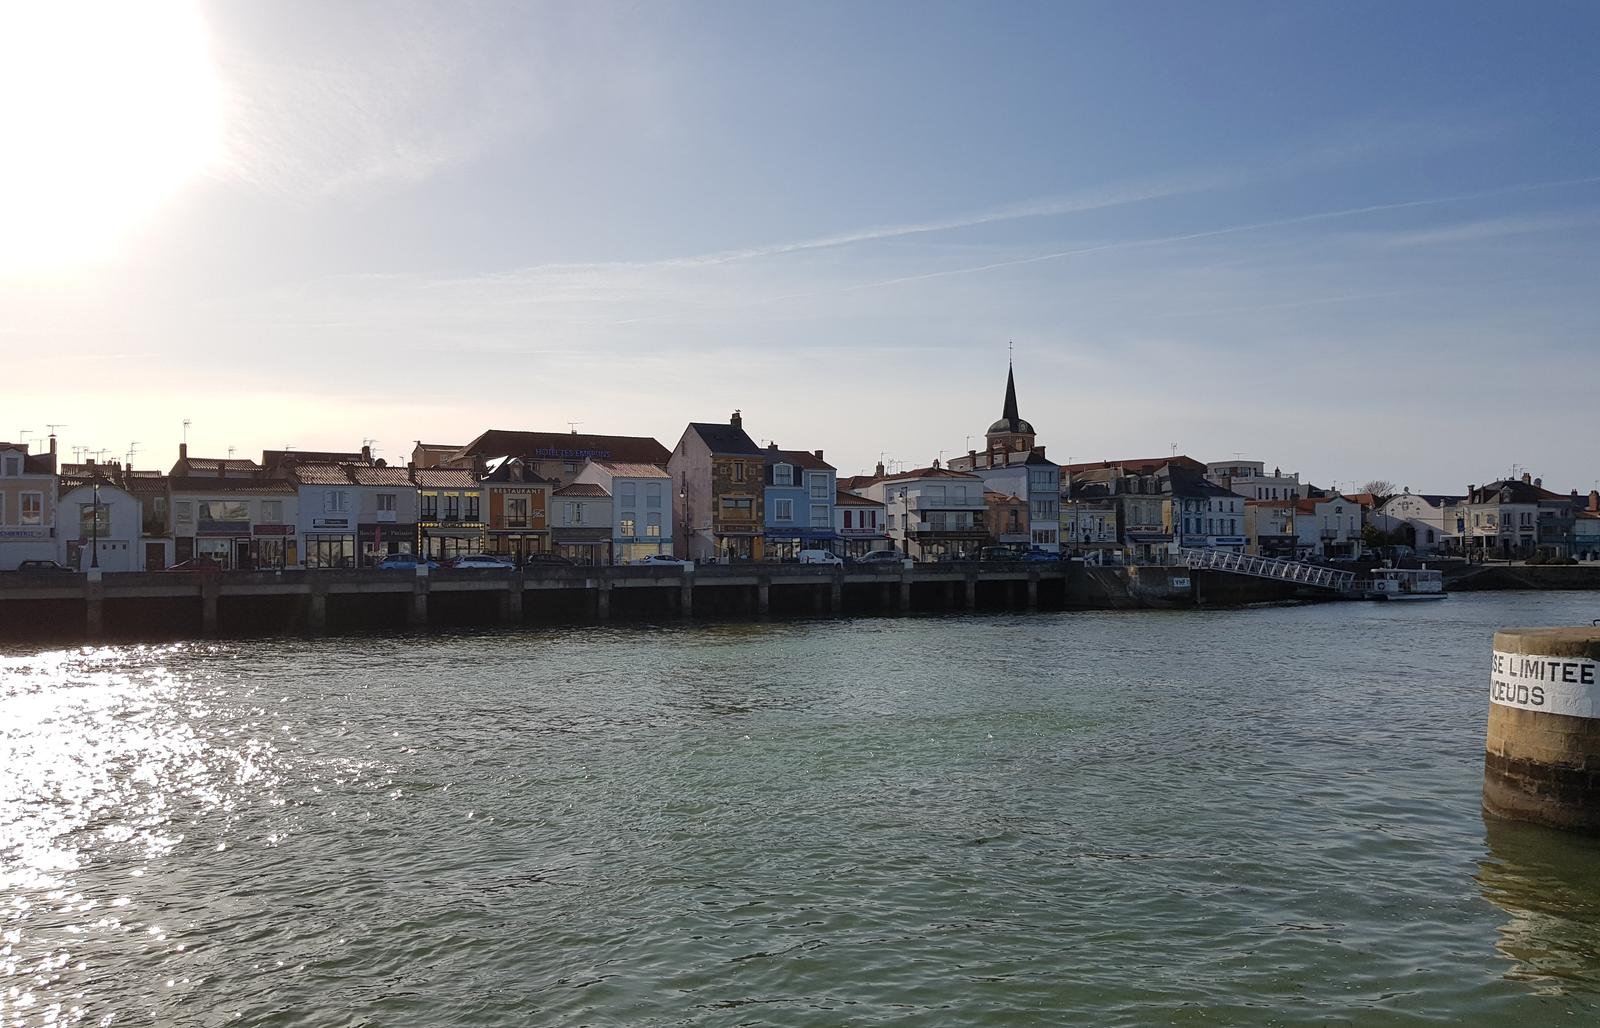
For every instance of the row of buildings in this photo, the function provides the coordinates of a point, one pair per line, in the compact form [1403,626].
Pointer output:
[719,496]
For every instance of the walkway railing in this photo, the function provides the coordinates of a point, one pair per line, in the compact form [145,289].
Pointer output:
[1270,567]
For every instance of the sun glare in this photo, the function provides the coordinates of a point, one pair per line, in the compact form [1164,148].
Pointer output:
[106,108]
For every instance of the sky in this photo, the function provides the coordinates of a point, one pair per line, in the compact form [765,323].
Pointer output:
[1358,241]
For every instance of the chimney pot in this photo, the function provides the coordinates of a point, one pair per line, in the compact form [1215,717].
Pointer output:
[737,420]
[183,451]
[1527,479]
[818,453]
[1539,482]
[366,453]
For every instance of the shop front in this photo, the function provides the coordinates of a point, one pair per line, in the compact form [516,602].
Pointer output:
[584,545]
[785,546]
[443,542]
[379,540]
[275,547]
[330,543]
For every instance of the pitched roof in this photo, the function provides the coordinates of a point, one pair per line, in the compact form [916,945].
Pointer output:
[444,478]
[216,486]
[498,442]
[514,470]
[929,473]
[229,464]
[364,475]
[582,489]
[33,463]
[272,458]
[1137,466]
[625,470]
[800,459]
[845,499]
[725,440]
[314,473]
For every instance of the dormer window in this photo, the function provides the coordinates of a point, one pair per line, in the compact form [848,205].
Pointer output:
[13,465]
[782,474]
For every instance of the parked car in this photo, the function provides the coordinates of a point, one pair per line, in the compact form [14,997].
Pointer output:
[481,562]
[820,557]
[196,564]
[1037,556]
[41,565]
[405,562]
[664,560]
[999,553]
[547,560]
[891,557]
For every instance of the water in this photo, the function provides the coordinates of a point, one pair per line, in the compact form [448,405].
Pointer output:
[1262,816]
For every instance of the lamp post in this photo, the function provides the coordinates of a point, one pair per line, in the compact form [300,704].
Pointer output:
[94,528]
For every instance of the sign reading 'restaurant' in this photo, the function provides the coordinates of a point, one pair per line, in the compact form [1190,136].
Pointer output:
[1554,685]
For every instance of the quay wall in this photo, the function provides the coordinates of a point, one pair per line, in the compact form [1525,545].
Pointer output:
[1474,577]
[187,604]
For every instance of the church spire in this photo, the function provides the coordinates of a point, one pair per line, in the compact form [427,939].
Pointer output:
[1010,412]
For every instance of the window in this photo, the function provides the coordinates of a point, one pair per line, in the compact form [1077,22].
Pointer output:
[819,486]
[272,511]
[235,511]
[333,501]
[869,519]
[89,514]
[652,525]
[738,471]
[737,503]
[184,511]
[13,467]
[469,504]
[516,511]
[430,506]
[452,506]
[652,495]
[847,520]
[782,474]
[819,516]
[934,494]
[569,467]
[385,502]
[32,509]
[783,510]
[625,526]
[625,494]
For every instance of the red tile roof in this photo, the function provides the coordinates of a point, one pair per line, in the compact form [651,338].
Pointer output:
[845,499]
[626,470]
[444,478]
[582,489]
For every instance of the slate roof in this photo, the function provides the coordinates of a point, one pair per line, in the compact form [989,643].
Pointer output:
[929,473]
[33,463]
[364,475]
[630,449]
[1137,466]
[724,439]
[801,459]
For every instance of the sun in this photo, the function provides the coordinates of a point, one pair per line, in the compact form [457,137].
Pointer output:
[106,109]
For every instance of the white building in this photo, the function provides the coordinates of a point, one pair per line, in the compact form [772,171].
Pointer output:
[100,527]
[932,512]
[861,524]
[229,511]
[1425,519]
[641,507]
[1328,526]
[1249,478]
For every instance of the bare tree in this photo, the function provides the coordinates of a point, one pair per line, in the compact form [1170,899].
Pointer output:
[1380,487]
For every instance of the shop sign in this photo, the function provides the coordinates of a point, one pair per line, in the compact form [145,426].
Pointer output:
[330,522]
[274,530]
[24,533]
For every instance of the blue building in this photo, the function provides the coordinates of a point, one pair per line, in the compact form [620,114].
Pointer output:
[800,493]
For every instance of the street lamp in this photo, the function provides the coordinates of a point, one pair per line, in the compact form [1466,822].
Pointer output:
[94,528]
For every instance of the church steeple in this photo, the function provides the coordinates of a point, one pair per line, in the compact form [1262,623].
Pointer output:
[1010,434]
[1010,412]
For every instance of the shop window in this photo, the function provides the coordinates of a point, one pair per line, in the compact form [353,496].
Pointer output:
[652,525]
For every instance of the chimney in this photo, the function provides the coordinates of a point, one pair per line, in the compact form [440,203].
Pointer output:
[366,453]
[1538,483]
[52,444]
[183,451]
[737,421]
[936,463]
[1594,500]
[1527,479]
[818,454]
[878,472]
[772,446]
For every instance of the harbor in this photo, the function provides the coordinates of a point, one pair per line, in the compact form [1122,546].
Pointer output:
[817,819]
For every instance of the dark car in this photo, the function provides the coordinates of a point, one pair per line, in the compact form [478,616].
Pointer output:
[881,557]
[41,565]
[999,553]
[1040,557]
[547,559]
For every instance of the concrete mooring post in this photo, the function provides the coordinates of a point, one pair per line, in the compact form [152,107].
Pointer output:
[210,596]
[1542,756]
[94,606]
[602,601]
[764,595]
[417,609]
[511,602]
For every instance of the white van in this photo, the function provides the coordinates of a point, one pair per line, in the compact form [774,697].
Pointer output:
[820,557]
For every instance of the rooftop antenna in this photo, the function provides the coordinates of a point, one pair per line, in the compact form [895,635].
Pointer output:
[22,434]
[1174,449]
[186,431]
[133,448]
[100,455]
[53,428]
[230,453]
[573,426]
[78,451]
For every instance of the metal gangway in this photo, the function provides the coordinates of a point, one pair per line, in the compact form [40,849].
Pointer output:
[1270,567]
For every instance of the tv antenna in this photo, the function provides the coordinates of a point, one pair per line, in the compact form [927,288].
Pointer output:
[1174,449]
[53,428]
[186,431]
[133,448]
[22,434]
[573,426]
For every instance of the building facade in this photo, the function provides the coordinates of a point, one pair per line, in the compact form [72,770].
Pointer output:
[450,521]
[28,491]
[518,504]
[932,513]
[720,475]
[582,529]
[641,507]
[798,502]
[1424,519]
[860,523]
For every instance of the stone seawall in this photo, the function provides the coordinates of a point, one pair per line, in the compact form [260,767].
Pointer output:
[1475,577]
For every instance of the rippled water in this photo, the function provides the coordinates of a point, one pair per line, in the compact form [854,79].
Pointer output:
[1256,816]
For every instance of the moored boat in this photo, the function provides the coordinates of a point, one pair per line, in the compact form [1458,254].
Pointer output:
[1404,584]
